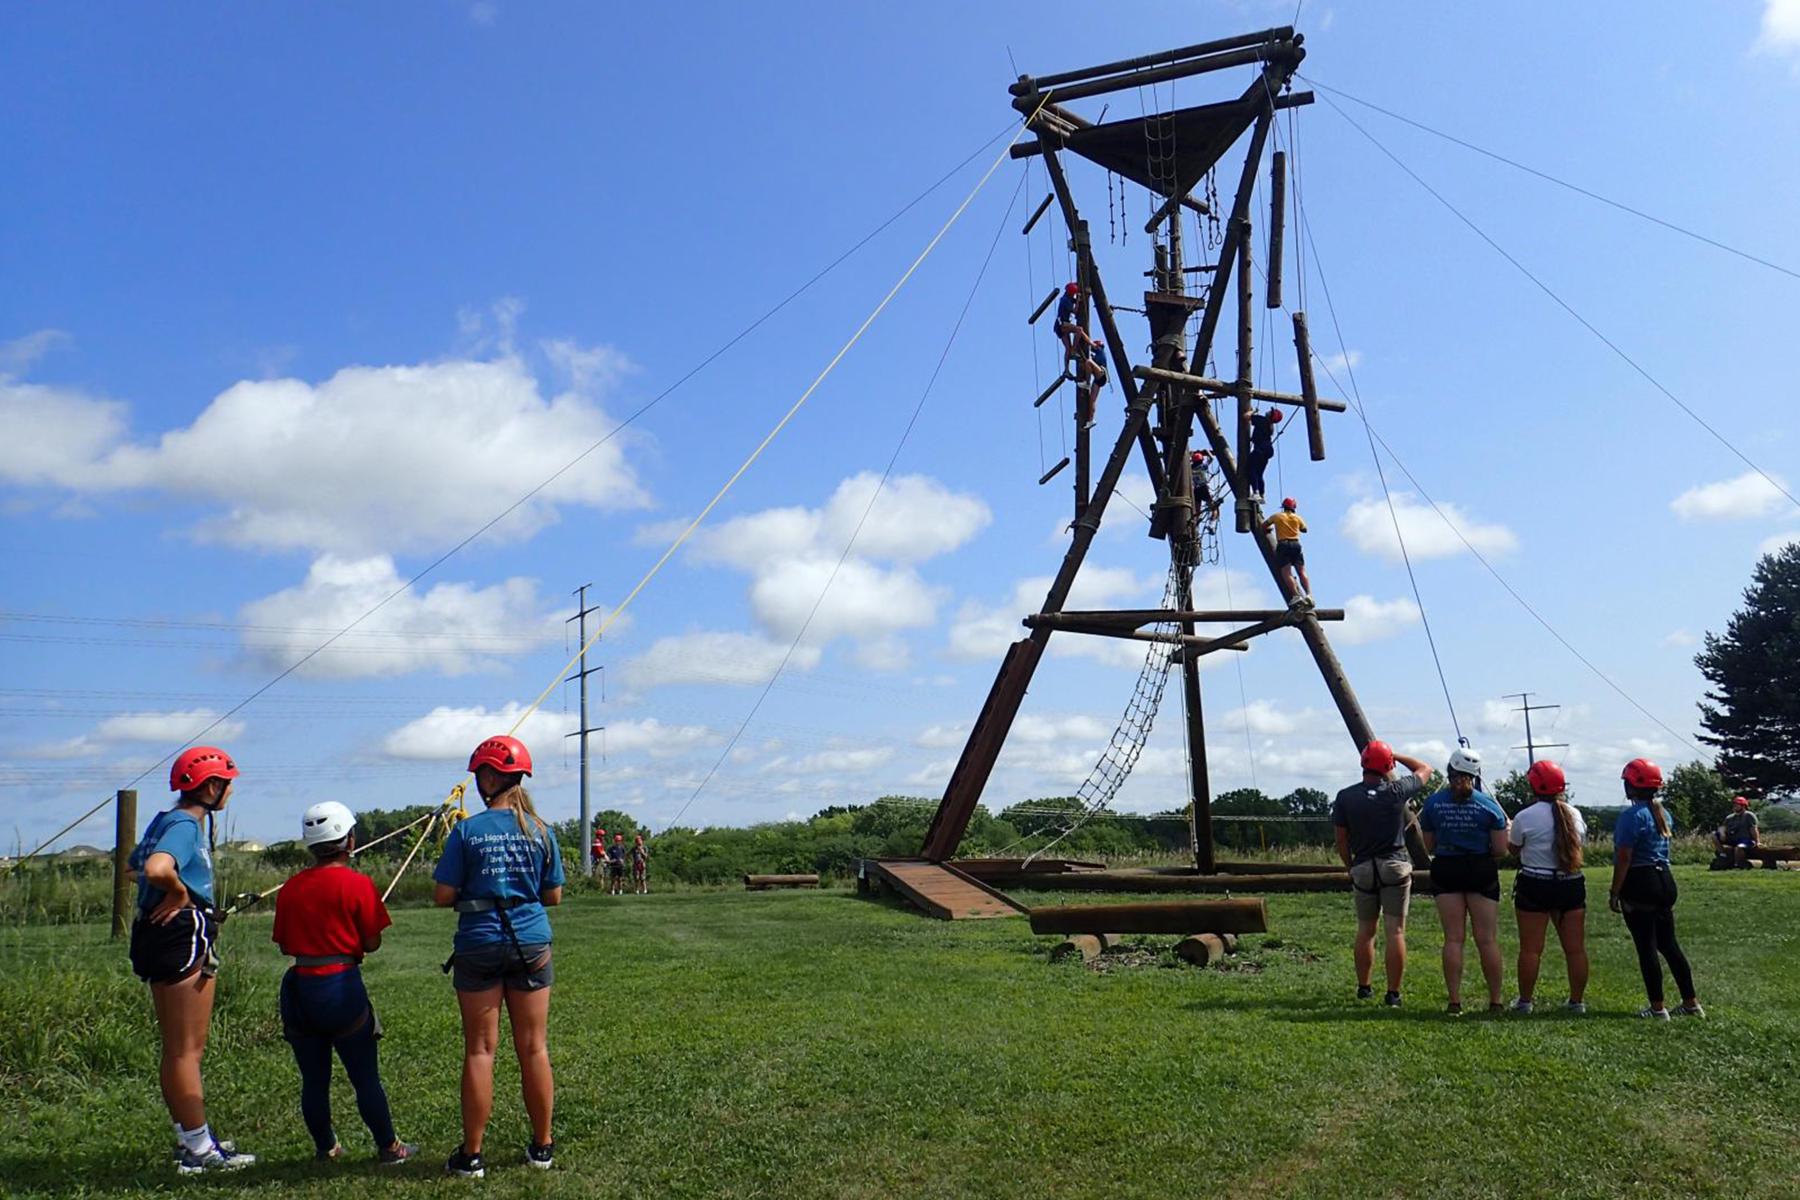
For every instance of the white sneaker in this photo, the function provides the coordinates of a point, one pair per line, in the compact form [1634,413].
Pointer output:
[215,1158]
[1522,1007]
[1576,1008]
[1690,1010]
[1653,1014]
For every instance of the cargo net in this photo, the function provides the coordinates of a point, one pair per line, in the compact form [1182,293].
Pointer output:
[1113,768]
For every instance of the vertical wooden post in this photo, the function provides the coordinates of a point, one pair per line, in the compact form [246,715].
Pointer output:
[124,840]
[1277,222]
[1087,391]
[1246,362]
[1315,428]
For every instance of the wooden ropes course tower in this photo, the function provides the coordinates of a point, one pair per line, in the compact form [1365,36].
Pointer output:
[1169,400]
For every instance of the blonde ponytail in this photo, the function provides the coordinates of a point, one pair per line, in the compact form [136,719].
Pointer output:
[1568,845]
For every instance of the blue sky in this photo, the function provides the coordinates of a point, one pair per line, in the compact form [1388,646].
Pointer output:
[296,299]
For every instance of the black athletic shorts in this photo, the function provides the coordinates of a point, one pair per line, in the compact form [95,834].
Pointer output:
[1649,887]
[1476,873]
[525,968]
[170,953]
[1549,893]
[1289,554]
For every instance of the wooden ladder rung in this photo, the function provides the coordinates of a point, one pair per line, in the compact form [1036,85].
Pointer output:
[1051,473]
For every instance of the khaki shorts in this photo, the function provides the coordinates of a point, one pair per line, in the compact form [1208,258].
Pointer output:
[1383,887]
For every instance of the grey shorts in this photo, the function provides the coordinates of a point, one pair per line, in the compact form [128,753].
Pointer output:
[1383,887]
[500,965]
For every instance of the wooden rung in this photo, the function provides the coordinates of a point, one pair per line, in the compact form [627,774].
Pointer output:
[1049,391]
[1039,310]
[1047,476]
[1038,212]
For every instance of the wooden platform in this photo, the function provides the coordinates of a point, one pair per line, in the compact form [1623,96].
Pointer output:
[937,889]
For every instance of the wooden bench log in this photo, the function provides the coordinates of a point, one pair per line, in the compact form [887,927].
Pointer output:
[1084,946]
[1237,915]
[759,883]
[1201,948]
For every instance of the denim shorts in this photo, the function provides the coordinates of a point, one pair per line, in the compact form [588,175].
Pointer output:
[524,968]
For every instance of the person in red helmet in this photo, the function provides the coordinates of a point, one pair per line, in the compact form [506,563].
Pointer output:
[1067,325]
[1262,448]
[1290,559]
[174,946]
[1370,820]
[1739,835]
[500,870]
[597,851]
[1643,889]
[1549,888]
[1206,497]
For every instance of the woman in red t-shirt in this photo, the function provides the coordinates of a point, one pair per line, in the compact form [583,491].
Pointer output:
[327,917]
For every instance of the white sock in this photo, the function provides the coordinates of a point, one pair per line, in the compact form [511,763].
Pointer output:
[197,1140]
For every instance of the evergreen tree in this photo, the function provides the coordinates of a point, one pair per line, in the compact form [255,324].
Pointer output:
[1752,707]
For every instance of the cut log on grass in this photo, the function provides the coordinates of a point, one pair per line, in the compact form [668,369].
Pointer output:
[1238,915]
[1231,942]
[759,883]
[1200,949]
[1084,946]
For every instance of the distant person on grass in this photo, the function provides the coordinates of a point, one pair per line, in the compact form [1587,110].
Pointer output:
[1738,835]
[1465,831]
[1550,886]
[640,865]
[615,865]
[174,947]
[326,918]
[1371,818]
[597,851]
[1643,888]
[500,869]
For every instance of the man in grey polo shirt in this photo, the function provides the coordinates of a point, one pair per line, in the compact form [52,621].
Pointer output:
[1371,819]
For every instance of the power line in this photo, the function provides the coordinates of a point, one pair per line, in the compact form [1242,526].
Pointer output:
[1566,306]
[1559,182]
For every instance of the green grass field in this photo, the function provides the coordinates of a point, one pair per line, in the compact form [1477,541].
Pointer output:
[816,1044]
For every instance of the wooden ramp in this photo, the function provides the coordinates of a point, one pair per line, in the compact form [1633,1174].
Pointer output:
[940,890]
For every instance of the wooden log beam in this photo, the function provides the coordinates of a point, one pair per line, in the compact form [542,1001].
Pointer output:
[1027,85]
[1309,391]
[1084,946]
[1045,303]
[1040,210]
[1277,223]
[1134,618]
[757,883]
[1286,53]
[1221,387]
[1200,949]
[1238,915]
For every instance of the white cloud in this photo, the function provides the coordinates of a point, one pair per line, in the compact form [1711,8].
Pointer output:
[1779,542]
[793,558]
[166,728]
[19,353]
[371,459]
[1028,727]
[1265,717]
[826,761]
[1679,639]
[1367,619]
[1339,364]
[1780,32]
[1743,498]
[654,738]
[448,734]
[938,737]
[453,628]
[711,657]
[1370,527]
[982,632]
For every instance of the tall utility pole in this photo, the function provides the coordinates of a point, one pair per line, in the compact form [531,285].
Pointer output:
[1527,707]
[582,672]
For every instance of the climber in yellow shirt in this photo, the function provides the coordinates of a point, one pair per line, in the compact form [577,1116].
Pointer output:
[1288,527]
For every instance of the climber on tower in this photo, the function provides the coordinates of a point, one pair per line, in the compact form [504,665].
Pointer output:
[1262,448]
[1288,555]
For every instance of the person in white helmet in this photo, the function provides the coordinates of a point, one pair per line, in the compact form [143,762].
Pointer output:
[326,918]
[1465,831]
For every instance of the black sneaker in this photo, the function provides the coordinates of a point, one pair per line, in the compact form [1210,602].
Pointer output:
[540,1156]
[1392,999]
[469,1166]
[1365,991]
[1453,1009]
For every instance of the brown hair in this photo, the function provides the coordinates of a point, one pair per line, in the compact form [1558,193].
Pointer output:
[1568,846]
[1656,808]
[523,809]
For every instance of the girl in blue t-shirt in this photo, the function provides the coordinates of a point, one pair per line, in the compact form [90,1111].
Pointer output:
[1465,830]
[173,945]
[1643,888]
[500,870]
